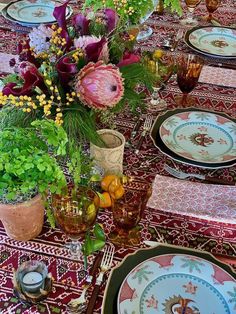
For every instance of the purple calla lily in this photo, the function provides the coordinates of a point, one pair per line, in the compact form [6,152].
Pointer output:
[81,24]
[93,51]
[66,69]
[128,58]
[31,80]
[111,19]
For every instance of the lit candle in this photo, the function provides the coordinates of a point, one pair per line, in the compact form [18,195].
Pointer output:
[32,281]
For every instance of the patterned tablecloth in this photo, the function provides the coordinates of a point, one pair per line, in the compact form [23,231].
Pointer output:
[166,227]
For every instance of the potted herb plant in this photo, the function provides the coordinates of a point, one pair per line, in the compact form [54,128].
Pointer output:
[29,169]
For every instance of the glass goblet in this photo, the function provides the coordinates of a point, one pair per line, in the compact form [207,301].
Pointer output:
[161,64]
[212,6]
[188,71]
[75,216]
[191,6]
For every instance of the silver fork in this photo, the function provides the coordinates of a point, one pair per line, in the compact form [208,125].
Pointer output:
[105,266]
[146,127]
[182,175]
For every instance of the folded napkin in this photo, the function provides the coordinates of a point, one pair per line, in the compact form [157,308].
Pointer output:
[218,76]
[206,201]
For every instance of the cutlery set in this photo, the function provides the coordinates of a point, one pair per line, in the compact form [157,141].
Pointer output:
[102,262]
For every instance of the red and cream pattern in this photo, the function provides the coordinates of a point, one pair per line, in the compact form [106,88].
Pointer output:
[218,76]
[166,227]
[207,201]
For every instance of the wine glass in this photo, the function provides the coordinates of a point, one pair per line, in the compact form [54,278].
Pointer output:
[191,5]
[212,6]
[161,64]
[145,31]
[188,71]
[75,214]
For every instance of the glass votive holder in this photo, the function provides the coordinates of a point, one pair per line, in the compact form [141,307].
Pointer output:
[32,282]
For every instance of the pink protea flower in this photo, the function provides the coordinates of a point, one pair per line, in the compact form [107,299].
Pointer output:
[100,86]
[84,42]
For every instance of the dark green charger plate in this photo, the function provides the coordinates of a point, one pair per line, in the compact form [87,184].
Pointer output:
[119,273]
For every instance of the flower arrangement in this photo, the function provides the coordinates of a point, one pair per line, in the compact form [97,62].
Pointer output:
[133,11]
[71,74]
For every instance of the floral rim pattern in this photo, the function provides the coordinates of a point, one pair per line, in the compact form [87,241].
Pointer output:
[200,136]
[214,41]
[177,281]
[37,11]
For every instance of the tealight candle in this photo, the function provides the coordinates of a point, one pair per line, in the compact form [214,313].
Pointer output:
[32,281]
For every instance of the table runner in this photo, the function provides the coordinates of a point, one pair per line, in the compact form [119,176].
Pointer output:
[215,237]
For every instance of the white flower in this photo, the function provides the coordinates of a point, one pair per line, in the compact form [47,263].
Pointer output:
[40,38]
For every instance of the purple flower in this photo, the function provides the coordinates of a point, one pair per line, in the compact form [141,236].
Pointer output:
[81,24]
[60,15]
[111,18]
[128,58]
[66,68]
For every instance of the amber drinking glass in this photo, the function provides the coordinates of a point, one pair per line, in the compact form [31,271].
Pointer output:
[188,71]
[212,6]
[127,212]
[74,216]
[191,6]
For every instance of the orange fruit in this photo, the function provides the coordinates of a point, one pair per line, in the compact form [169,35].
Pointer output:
[114,185]
[106,181]
[118,193]
[103,201]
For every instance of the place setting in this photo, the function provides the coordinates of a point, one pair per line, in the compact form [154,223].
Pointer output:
[31,14]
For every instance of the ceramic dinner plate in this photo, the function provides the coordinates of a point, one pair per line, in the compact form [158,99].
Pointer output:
[8,17]
[167,279]
[37,11]
[213,40]
[200,136]
[197,137]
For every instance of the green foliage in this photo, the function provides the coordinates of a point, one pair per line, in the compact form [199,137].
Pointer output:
[13,78]
[94,240]
[13,117]
[139,8]
[25,162]
[174,5]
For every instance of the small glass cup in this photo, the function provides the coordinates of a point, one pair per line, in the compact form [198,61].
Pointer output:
[127,213]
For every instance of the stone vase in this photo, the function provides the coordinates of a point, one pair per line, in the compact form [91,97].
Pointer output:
[23,221]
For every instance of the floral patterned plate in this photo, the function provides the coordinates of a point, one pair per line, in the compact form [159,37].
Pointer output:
[179,284]
[36,11]
[169,279]
[213,40]
[200,136]
[157,141]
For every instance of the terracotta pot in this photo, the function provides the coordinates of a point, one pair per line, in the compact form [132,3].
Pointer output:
[23,221]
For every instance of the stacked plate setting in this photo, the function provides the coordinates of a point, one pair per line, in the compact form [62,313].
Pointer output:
[213,41]
[32,13]
[196,137]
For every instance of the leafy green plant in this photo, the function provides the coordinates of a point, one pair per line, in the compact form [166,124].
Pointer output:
[26,166]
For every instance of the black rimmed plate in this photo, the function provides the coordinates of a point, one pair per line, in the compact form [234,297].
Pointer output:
[214,41]
[181,157]
[195,263]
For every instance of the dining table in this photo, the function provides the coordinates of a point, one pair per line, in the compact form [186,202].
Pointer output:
[183,229]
